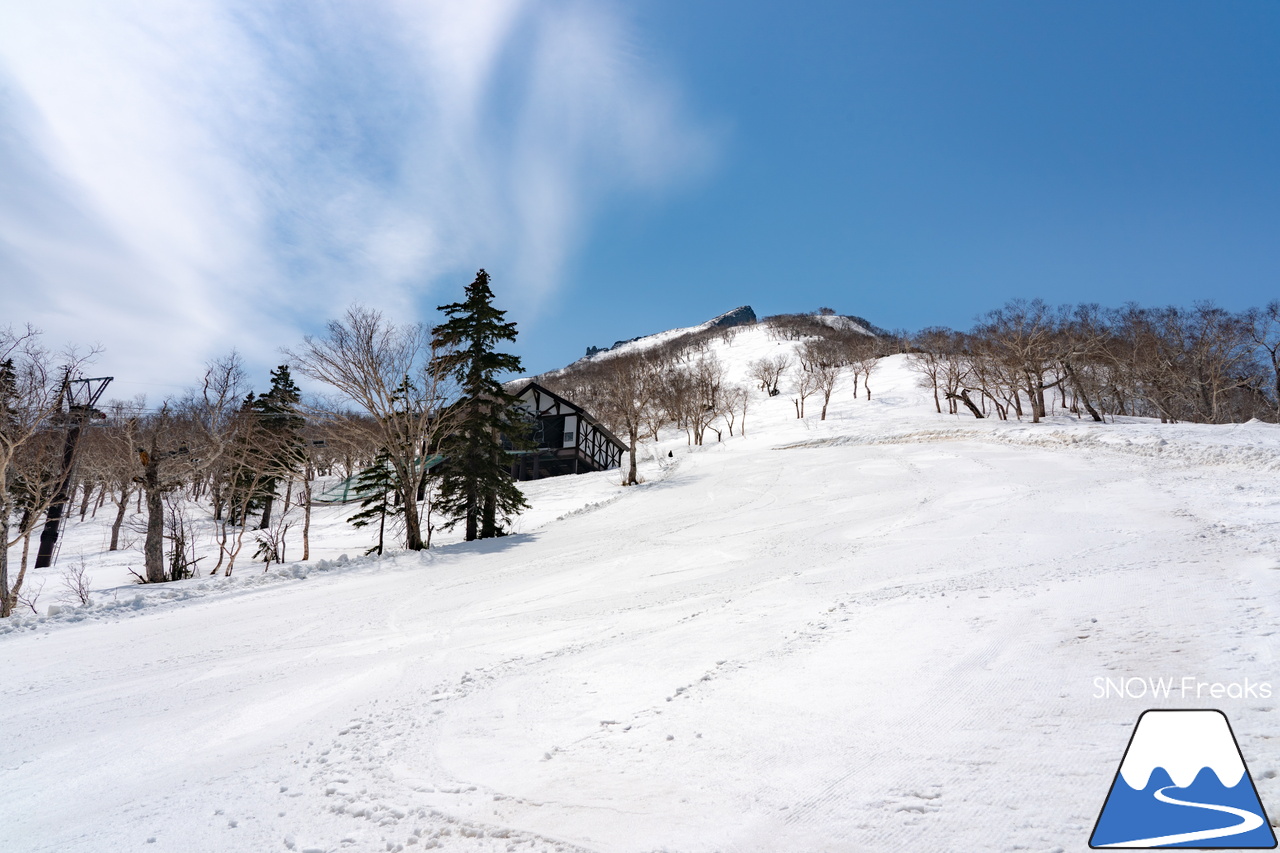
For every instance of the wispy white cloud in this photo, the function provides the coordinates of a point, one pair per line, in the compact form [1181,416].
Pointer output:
[178,177]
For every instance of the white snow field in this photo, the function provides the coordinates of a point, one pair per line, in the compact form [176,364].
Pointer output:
[882,632]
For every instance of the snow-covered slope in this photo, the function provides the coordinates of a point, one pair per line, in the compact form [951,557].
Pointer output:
[740,316]
[846,324]
[882,632]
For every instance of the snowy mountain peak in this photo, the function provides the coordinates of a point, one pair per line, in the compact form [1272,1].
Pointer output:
[1183,743]
[848,324]
[741,316]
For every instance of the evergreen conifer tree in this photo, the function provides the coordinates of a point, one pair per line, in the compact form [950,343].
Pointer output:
[377,483]
[283,451]
[476,486]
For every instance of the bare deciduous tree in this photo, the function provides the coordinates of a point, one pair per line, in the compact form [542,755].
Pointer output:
[767,371]
[929,348]
[863,366]
[154,458]
[385,370]
[1024,336]
[76,583]
[825,376]
[805,385]
[628,392]
[1264,331]
[736,401]
[709,378]
[30,401]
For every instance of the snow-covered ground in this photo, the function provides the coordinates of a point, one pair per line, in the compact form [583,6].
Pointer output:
[881,632]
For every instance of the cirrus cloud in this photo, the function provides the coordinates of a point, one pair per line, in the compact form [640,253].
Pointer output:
[184,176]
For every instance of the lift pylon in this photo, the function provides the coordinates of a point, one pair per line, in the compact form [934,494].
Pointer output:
[80,396]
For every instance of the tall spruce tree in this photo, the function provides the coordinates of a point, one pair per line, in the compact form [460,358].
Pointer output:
[476,486]
[280,434]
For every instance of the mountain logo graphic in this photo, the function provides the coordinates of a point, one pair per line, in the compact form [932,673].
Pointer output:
[1183,783]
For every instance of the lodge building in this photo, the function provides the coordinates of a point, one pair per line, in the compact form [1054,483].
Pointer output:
[566,439]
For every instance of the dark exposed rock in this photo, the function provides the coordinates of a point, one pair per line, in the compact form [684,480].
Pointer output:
[741,316]
[592,351]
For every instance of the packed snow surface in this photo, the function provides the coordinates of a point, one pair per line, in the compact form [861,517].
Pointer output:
[892,630]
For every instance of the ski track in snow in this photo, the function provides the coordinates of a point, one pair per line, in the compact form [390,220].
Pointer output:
[875,633]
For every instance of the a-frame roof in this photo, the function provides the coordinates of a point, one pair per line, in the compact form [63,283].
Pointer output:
[578,410]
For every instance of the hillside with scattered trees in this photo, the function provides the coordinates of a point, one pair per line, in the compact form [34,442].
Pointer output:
[221,476]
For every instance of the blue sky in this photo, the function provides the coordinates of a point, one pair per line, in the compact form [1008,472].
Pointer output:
[918,163]
[177,178]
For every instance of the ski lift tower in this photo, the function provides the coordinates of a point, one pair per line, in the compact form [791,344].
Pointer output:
[80,396]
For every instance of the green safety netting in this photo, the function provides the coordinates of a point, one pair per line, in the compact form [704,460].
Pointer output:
[345,491]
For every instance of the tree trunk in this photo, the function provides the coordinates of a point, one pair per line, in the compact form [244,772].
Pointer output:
[121,509]
[631,473]
[266,508]
[306,523]
[474,501]
[232,553]
[382,525]
[22,567]
[489,507]
[963,397]
[1080,392]
[222,549]
[153,547]
[412,524]
[5,610]
[9,597]
[407,496]
[489,521]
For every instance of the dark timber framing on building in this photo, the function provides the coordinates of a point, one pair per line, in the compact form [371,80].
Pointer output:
[566,438]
